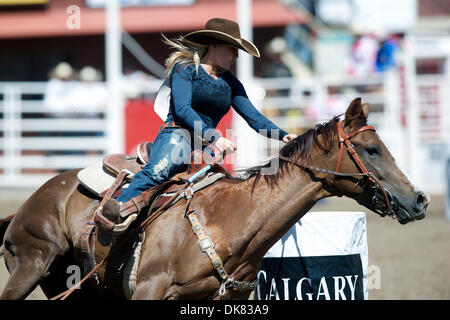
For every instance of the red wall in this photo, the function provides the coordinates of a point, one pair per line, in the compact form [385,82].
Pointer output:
[142,124]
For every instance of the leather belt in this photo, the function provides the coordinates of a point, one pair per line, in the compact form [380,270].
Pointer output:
[177,125]
[168,125]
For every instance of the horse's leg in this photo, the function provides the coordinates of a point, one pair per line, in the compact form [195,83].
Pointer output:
[28,264]
[153,288]
[32,242]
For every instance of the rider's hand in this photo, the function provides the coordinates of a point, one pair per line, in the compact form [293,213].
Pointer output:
[225,146]
[289,137]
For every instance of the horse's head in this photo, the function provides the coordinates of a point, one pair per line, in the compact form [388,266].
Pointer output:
[385,189]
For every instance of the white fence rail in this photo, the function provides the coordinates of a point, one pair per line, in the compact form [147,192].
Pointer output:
[36,143]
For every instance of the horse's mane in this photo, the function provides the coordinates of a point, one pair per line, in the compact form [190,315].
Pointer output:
[299,150]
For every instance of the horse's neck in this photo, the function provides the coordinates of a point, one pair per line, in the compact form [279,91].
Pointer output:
[295,194]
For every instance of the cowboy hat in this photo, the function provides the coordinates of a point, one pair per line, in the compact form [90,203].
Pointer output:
[62,70]
[89,74]
[218,30]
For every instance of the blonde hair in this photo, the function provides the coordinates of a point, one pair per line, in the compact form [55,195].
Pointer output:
[183,53]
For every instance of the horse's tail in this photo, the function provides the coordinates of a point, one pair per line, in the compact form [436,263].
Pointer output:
[4,223]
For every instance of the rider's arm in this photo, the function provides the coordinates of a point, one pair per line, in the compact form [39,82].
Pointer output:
[247,110]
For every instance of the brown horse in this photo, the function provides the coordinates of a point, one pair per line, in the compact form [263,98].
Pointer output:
[243,217]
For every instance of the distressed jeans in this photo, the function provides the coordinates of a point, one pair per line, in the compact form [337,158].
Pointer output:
[169,155]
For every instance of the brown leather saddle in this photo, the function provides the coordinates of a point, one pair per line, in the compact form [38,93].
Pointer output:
[117,162]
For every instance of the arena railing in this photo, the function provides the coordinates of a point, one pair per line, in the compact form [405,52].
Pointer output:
[37,143]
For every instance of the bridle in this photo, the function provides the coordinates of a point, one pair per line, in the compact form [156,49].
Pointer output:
[382,208]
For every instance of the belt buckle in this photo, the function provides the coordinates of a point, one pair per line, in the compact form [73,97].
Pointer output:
[167,125]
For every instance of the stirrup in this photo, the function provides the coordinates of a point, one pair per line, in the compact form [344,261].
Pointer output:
[104,223]
[108,223]
[110,227]
[120,228]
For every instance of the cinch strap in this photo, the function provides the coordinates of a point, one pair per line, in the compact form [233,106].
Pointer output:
[207,246]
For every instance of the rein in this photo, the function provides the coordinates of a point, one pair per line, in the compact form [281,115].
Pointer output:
[344,139]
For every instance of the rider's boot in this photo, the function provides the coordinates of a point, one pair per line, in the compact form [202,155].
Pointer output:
[117,212]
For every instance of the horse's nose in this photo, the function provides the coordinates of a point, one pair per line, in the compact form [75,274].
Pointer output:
[421,203]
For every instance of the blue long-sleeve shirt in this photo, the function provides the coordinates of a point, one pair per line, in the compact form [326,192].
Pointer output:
[200,97]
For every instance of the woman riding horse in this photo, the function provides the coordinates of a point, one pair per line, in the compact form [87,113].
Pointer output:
[243,218]
[202,91]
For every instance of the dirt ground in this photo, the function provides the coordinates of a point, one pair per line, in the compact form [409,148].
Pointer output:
[405,261]
[412,260]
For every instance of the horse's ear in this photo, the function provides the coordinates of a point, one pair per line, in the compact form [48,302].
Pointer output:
[353,111]
[365,109]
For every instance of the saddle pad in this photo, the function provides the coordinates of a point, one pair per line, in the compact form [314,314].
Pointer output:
[95,179]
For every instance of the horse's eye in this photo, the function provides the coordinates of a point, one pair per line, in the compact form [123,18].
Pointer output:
[372,151]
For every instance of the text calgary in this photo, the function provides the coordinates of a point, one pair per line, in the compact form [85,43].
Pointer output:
[302,289]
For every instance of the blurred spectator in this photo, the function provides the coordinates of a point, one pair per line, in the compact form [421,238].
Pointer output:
[58,97]
[89,94]
[386,54]
[363,55]
[335,103]
[275,68]
[136,83]
[58,93]
[66,97]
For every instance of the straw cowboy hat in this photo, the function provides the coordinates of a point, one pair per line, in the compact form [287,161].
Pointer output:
[218,30]
[89,74]
[62,70]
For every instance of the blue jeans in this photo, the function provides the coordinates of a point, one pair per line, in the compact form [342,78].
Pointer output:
[169,155]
